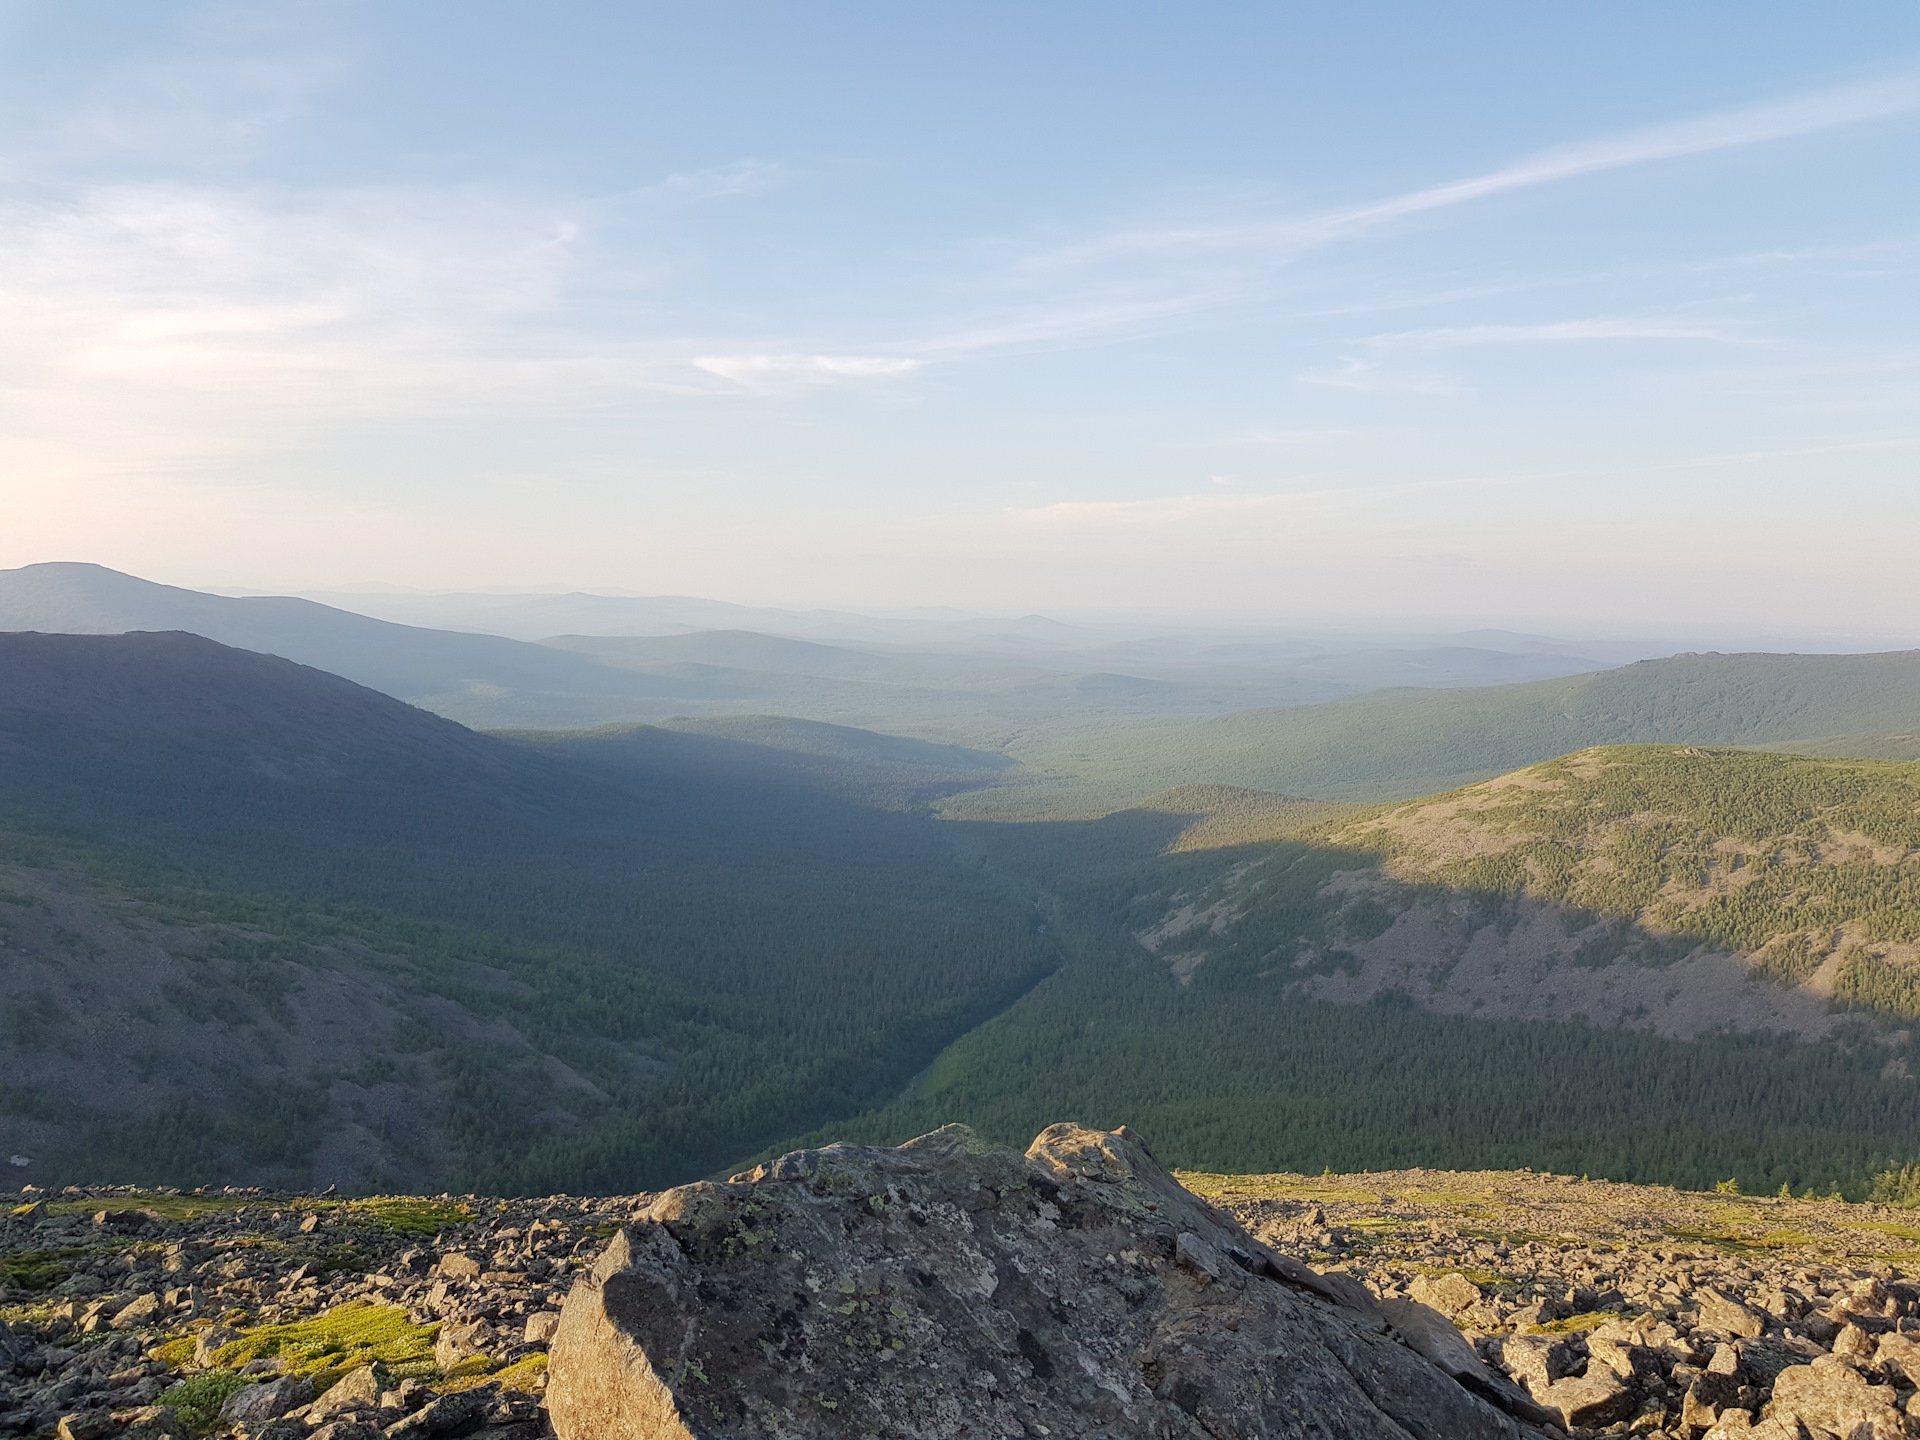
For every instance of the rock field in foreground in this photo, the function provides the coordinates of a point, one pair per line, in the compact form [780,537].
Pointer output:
[1630,1310]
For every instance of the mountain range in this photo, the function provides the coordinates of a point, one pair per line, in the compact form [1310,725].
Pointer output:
[329,936]
[569,661]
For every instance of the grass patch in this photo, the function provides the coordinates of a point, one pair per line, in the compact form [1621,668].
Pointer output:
[197,1400]
[343,1339]
[1887,1227]
[404,1215]
[1273,1187]
[165,1207]
[523,1375]
[1576,1324]
[1485,1279]
[1735,1243]
[37,1270]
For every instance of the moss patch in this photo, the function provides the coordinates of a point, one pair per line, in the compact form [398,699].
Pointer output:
[343,1339]
[404,1215]
[1576,1324]
[197,1400]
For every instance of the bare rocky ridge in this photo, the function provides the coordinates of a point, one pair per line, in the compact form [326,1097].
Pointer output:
[1627,1310]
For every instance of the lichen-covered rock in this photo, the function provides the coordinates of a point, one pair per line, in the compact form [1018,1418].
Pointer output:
[951,1289]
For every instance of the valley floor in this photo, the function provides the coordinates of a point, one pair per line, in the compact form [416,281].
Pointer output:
[1633,1309]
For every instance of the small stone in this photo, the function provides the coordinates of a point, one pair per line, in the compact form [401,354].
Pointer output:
[87,1425]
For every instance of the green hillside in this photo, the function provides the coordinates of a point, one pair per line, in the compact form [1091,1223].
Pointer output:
[1644,962]
[1811,867]
[1410,742]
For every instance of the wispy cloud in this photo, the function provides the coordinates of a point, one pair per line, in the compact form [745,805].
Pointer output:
[1356,372]
[1157,510]
[1555,332]
[1731,129]
[716,182]
[764,370]
[1288,435]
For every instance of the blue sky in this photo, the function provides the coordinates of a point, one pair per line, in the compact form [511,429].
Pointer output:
[1596,316]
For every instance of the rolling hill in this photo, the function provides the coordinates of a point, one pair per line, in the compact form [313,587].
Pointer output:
[1404,743]
[323,934]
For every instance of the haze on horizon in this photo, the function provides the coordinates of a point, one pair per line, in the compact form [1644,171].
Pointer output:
[1538,318]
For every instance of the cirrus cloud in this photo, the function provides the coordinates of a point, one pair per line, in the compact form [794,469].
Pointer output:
[804,369]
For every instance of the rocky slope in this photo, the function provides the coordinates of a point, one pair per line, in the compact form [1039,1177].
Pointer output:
[1630,1310]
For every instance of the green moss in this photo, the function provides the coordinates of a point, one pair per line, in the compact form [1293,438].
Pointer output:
[524,1375]
[37,1270]
[342,1339]
[173,1353]
[197,1400]
[166,1207]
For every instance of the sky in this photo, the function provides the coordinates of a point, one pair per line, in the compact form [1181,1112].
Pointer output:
[1532,315]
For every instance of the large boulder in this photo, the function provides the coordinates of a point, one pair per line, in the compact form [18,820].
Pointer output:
[953,1289]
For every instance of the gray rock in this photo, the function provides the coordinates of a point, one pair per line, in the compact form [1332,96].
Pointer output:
[149,1422]
[1449,1294]
[460,1340]
[1829,1395]
[139,1311]
[1589,1401]
[346,1430]
[1898,1356]
[1536,1361]
[268,1400]
[1429,1334]
[1724,1315]
[953,1289]
[210,1341]
[541,1325]
[449,1415]
[356,1390]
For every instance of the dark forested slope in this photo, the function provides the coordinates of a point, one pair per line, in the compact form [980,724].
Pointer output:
[713,951]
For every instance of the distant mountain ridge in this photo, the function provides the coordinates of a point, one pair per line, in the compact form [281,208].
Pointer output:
[402,660]
[945,679]
[1404,743]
